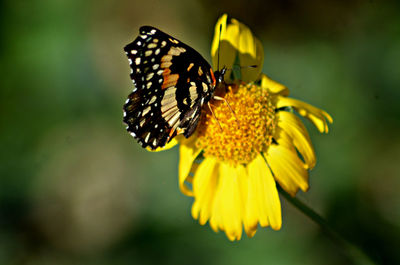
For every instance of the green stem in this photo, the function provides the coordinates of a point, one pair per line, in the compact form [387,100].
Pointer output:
[355,253]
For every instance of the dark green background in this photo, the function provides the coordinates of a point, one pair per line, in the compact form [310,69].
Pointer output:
[75,188]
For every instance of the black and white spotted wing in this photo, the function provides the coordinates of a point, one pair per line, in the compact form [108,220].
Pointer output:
[172,82]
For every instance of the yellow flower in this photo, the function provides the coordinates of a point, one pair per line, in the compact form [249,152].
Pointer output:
[232,163]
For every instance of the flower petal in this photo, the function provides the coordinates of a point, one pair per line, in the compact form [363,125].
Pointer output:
[273,86]
[188,153]
[287,168]
[236,42]
[228,205]
[317,116]
[222,42]
[169,145]
[263,204]
[204,187]
[251,53]
[291,126]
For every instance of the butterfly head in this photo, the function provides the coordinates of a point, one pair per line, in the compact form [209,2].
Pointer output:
[219,75]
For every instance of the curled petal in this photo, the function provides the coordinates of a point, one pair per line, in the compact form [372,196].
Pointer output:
[238,50]
[273,86]
[317,116]
[287,168]
[222,44]
[290,126]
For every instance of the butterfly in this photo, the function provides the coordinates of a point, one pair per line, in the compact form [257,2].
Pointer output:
[172,82]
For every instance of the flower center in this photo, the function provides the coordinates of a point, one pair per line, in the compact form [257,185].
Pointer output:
[237,137]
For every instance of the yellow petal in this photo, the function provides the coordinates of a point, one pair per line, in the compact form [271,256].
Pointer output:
[292,126]
[236,41]
[317,116]
[228,206]
[263,204]
[169,145]
[219,31]
[251,53]
[227,51]
[273,86]
[188,153]
[204,187]
[287,168]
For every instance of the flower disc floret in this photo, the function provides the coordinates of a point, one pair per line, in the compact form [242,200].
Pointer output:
[238,136]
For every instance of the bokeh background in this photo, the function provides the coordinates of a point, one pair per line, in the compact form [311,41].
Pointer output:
[75,188]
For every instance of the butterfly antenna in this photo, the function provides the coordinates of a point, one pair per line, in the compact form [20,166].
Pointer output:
[219,44]
[241,67]
[217,97]
[249,66]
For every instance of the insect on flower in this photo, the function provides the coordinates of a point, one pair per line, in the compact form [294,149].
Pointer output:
[172,83]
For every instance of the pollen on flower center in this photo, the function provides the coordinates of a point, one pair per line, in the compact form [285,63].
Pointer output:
[245,133]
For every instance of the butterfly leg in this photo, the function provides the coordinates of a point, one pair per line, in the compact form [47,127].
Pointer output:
[229,106]
[215,117]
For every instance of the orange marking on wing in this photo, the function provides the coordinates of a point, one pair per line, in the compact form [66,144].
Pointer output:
[179,131]
[171,132]
[175,131]
[166,58]
[190,67]
[166,72]
[214,82]
[169,80]
[166,64]
[173,41]
[166,61]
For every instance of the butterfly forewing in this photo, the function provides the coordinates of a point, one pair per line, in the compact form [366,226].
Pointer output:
[172,82]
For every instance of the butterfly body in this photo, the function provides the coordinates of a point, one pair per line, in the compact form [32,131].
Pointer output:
[172,83]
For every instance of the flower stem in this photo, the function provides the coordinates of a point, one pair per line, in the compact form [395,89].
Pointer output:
[355,253]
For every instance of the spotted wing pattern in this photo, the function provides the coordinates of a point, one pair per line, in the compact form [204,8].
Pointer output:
[172,82]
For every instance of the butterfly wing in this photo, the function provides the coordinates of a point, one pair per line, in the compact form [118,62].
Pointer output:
[172,82]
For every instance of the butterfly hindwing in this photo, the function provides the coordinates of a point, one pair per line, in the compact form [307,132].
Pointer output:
[172,82]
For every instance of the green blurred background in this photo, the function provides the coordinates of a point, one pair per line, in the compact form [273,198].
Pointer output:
[75,188]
